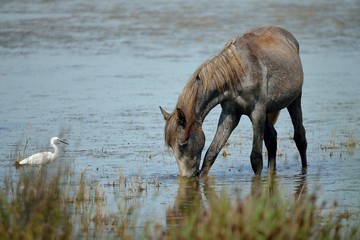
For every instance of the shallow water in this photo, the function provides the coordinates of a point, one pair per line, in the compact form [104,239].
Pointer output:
[95,73]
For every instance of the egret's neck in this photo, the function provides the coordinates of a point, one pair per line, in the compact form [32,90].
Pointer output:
[56,150]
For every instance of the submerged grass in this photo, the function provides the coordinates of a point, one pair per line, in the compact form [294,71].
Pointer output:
[33,208]
[53,204]
[41,205]
[350,142]
[263,215]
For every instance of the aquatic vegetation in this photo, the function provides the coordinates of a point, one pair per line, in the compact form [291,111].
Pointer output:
[59,204]
[349,142]
[45,205]
[262,215]
[34,208]
[54,205]
[19,154]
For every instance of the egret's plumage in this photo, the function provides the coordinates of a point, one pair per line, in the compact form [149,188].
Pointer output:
[44,157]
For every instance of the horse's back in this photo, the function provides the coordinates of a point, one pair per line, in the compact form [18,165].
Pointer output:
[272,54]
[272,33]
[270,40]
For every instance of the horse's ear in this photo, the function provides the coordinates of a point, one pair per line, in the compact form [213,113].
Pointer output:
[181,118]
[164,113]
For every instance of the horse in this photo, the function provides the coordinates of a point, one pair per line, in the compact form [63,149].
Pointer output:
[256,74]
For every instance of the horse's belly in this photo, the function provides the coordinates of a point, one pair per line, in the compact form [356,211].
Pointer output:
[278,100]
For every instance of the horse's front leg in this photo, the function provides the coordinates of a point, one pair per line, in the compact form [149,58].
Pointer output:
[257,117]
[227,123]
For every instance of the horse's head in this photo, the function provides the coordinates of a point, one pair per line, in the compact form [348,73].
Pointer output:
[187,141]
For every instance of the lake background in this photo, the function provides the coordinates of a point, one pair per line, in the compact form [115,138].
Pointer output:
[96,72]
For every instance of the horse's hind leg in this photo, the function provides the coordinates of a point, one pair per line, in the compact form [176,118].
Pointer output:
[299,131]
[258,118]
[270,139]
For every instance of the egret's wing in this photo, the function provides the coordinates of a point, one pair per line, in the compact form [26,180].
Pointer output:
[38,158]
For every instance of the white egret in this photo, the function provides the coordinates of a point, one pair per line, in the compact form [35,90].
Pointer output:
[44,157]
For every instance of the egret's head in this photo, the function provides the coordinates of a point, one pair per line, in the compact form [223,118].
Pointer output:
[56,140]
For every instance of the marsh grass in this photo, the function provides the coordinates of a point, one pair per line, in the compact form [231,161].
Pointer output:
[350,142]
[51,204]
[262,215]
[20,153]
[43,205]
[32,208]
[55,203]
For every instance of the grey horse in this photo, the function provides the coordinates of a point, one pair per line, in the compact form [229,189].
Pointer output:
[256,74]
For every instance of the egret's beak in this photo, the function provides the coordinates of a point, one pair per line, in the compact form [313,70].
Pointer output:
[63,141]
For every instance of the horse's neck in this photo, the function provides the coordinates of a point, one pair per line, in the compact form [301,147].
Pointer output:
[206,103]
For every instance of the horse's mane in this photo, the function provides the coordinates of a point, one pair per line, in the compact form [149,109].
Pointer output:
[223,69]
[218,73]
[221,72]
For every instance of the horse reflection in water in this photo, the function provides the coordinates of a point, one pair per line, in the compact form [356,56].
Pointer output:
[257,75]
[269,185]
[190,198]
[195,196]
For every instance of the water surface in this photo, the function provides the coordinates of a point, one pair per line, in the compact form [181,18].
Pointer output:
[95,73]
